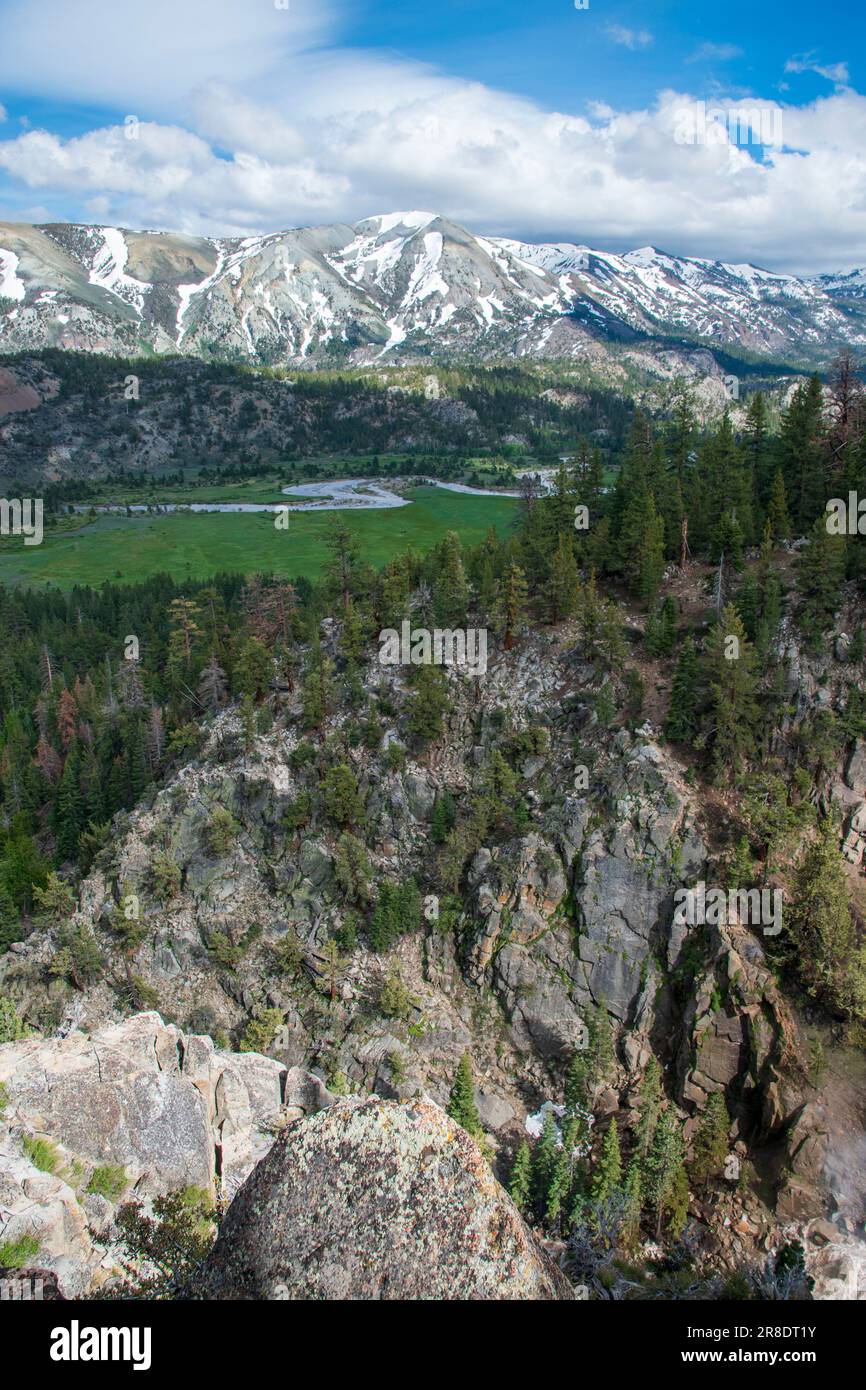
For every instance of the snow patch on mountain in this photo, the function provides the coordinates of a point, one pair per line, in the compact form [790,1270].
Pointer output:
[11,287]
[108,268]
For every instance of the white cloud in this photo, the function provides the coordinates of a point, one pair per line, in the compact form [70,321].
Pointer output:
[629,38]
[715,52]
[834,72]
[145,55]
[338,135]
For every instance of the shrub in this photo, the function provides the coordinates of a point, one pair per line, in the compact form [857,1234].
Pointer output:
[12,1026]
[173,1244]
[261,1030]
[220,833]
[395,1001]
[109,1181]
[42,1153]
[17,1254]
[298,812]
[395,757]
[165,876]
[287,954]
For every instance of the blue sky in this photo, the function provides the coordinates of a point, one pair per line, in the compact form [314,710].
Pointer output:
[534,120]
[549,51]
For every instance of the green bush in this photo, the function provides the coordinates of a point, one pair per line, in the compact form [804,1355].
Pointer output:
[395,1001]
[222,828]
[261,1030]
[12,1026]
[287,954]
[165,876]
[17,1254]
[42,1154]
[109,1181]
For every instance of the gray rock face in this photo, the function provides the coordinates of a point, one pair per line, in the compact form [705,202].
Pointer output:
[375,1200]
[545,970]
[172,1109]
[135,1094]
[855,771]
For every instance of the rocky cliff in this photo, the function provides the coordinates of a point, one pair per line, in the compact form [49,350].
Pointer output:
[571,914]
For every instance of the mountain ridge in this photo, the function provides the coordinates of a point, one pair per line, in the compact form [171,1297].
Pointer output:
[397,286]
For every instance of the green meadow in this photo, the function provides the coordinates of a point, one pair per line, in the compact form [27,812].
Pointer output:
[122,549]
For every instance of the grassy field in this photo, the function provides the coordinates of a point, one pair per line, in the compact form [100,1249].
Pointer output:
[125,549]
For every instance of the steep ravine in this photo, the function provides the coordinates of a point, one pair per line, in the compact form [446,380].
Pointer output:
[575,912]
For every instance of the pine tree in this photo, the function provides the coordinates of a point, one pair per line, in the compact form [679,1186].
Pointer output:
[183,635]
[563,586]
[252,667]
[341,797]
[511,604]
[601,1053]
[831,957]
[429,702]
[633,1189]
[710,1146]
[801,454]
[341,568]
[576,1083]
[520,1182]
[663,1165]
[778,519]
[55,901]
[676,1207]
[10,919]
[607,1177]
[443,817]
[461,1102]
[351,635]
[732,684]
[450,588]
[544,1157]
[316,695]
[212,686]
[757,452]
[682,720]
[820,571]
[69,808]
[651,1102]
[651,553]
[560,1184]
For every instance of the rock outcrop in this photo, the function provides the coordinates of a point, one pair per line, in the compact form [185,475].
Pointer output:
[375,1200]
[170,1109]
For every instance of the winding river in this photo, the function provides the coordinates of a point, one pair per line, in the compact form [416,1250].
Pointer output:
[339,494]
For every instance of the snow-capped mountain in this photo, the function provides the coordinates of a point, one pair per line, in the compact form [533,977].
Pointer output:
[396,286]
